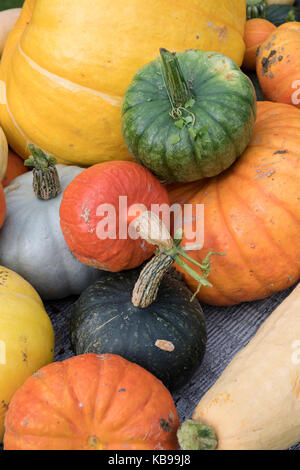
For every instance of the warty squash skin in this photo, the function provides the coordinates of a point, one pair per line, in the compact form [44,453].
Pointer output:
[92,402]
[252,213]
[32,244]
[168,338]
[67,101]
[26,336]
[255,403]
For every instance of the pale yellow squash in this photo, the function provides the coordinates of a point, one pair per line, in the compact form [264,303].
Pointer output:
[8,19]
[26,336]
[67,64]
[255,404]
[3,154]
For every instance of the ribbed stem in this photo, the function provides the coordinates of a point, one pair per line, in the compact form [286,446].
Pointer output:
[46,184]
[176,85]
[193,435]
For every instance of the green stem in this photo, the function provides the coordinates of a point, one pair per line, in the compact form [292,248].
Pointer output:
[176,86]
[193,435]
[46,184]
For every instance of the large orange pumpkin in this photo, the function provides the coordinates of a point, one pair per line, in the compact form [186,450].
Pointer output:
[278,65]
[15,167]
[92,402]
[252,213]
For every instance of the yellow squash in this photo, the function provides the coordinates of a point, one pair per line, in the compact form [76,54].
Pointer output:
[3,154]
[26,336]
[67,64]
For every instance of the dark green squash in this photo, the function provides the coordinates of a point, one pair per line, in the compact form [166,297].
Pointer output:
[256,9]
[279,14]
[189,115]
[168,338]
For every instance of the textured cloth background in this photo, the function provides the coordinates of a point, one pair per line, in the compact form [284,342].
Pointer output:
[229,329]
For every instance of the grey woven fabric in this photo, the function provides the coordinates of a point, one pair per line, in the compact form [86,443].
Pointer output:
[229,329]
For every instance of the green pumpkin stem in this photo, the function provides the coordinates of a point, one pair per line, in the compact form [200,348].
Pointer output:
[178,91]
[46,184]
[151,229]
[193,435]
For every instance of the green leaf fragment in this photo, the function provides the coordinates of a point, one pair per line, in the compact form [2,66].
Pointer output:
[190,103]
[174,139]
[180,123]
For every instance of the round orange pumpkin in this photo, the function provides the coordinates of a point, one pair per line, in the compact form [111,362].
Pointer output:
[2,206]
[252,213]
[256,32]
[278,65]
[92,402]
[95,214]
[15,167]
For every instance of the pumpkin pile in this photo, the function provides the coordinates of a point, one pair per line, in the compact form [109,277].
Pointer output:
[142,175]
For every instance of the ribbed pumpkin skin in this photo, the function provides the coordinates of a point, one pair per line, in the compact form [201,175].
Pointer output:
[15,167]
[252,213]
[92,402]
[225,109]
[79,217]
[103,322]
[26,336]
[278,65]
[68,100]
[31,242]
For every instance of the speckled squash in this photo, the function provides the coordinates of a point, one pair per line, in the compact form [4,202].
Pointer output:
[26,336]
[188,116]
[92,402]
[252,213]
[168,338]
[67,101]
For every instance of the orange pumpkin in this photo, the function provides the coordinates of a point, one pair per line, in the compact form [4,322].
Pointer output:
[92,402]
[2,206]
[15,167]
[278,65]
[94,220]
[256,32]
[252,213]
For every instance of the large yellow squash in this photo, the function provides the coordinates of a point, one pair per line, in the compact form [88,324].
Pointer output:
[26,336]
[67,64]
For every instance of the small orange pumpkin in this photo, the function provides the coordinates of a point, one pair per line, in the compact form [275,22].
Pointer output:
[278,65]
[15,167]
[256,32]
[92,402]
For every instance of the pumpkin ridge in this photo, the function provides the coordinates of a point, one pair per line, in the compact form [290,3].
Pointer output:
[270,195]
[269,236]
[254,274]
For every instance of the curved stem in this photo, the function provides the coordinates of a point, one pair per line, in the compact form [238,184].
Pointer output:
[193,435]
[176,85]
[46,184]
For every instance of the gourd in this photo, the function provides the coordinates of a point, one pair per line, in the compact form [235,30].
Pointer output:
[3,154]
[168,338]
[251,214]
[92,402]
[256,9]
[255,404]
[31,241]
[278,65]
[15,167]
[68,101]
[26,336]
[188,116]
[256,32]
[8,19]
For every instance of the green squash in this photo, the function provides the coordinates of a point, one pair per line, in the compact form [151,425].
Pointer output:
[188,116]
[168,338]
[279,14]
[256,9]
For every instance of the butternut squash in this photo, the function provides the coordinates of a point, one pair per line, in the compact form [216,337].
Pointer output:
[255,404]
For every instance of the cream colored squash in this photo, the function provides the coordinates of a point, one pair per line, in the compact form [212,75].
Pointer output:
[8,19]
[3,154]
[67,64]
[26,336]
[255,404]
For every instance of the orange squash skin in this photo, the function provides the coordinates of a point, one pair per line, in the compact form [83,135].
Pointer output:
[278,65]
[92,402]
[103,184]
[2,206]
[252,213]
[256,32]
[15,167]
